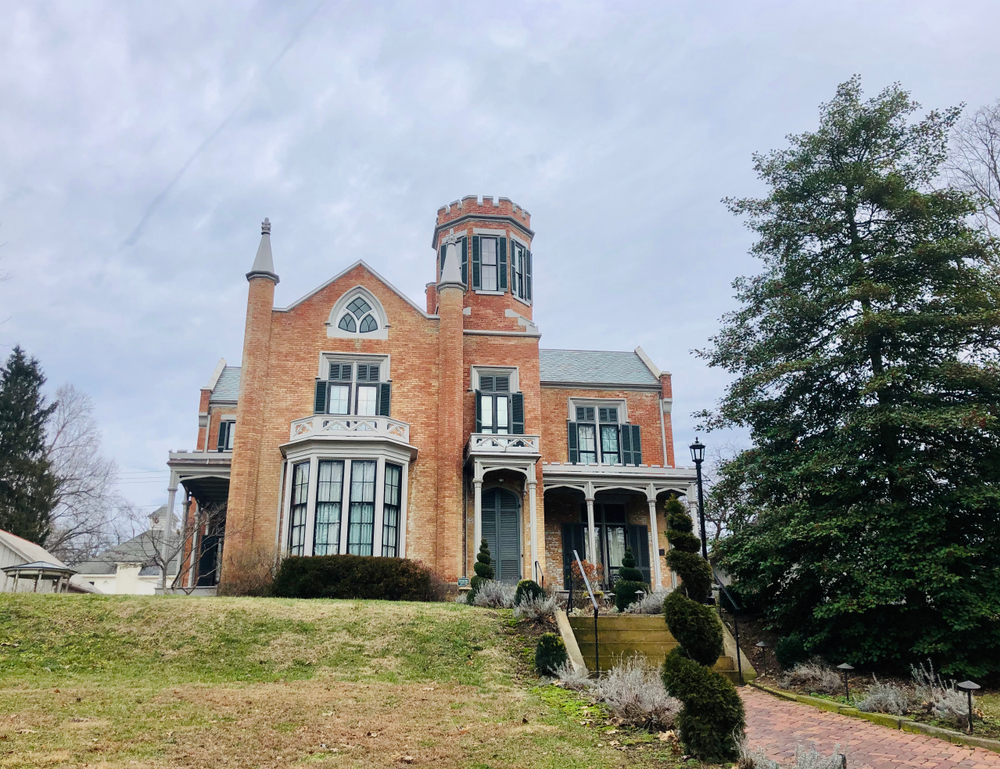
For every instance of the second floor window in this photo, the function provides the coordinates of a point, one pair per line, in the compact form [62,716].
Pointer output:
[226,429]
[353,388]
[498,410]
[598,438]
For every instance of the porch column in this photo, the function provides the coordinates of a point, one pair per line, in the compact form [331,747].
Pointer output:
[477,526]
[167,527]
[654,534]
[591,527]
[533,519]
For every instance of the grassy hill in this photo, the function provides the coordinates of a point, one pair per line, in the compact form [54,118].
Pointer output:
[124,681]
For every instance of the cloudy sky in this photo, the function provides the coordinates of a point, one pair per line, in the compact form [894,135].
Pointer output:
[141,144]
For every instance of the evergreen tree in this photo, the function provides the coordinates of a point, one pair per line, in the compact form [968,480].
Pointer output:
[27,483]
[866,365]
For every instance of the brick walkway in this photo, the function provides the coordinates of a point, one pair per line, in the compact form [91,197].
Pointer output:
[778,725]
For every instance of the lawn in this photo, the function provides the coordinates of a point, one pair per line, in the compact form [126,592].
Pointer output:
[144,681]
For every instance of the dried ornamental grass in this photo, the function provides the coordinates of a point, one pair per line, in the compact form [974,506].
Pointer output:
[815,675]
[633,691]
[495,595]
[651,603]
[938,698]
[572,678]
[884,698]
[537,608]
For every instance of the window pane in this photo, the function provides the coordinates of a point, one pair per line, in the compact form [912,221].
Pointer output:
[616,550]
[609,445]
[390,511]
[297,514]
[588,444]
[488,249]
[359,307]
[329,491]
[502,414]
[361,521]
[368,324]
[347,324]
[339,395]
[367,396]
[486,407]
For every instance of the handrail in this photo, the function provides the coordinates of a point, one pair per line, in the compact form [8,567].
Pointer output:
[736,622]
[539,574]
[597,646]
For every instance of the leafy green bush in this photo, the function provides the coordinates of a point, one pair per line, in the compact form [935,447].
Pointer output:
[627,592]
[695,626]
[527,590]
[712,721]
[550,654]
[790,650]
[628,571]
[484,571]
[353,576]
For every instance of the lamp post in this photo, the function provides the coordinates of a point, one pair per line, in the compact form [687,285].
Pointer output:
[968,687]
[698,455]
[763,650]
[845,669]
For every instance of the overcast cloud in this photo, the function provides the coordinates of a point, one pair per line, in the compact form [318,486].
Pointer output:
[141,144]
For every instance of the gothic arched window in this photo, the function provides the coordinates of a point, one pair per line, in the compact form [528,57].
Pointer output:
[358,312]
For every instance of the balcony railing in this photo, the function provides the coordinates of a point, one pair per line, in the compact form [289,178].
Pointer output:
[329,426]
[492,445]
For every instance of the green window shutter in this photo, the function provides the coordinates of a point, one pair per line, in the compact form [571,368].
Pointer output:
[502,264]
[636,445]
[465,261]
[320,402]
[479,412]
[573,443]
[221,443]
[384,399]
[441,261]
[527,275]
[626,444]
[517,413]
[475,262]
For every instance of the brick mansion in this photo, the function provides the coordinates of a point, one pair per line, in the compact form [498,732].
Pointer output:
[363,422]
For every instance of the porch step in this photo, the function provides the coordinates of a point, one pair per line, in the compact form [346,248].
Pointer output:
[623,636]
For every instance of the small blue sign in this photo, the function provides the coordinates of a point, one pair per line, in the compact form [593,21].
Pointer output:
[463,581]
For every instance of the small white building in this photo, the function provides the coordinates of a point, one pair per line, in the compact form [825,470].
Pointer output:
[131,567]
[15,551]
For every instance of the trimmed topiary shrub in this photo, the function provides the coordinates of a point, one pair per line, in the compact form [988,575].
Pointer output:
[353,576]
[627,593]
[484,571]
[528,590]
[695,626]
[712,723]
[629,582]
[550,654]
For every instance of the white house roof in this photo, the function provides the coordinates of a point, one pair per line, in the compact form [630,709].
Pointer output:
[29,551]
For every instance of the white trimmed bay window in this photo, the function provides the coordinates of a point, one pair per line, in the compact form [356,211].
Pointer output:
[598,435]
[341,504]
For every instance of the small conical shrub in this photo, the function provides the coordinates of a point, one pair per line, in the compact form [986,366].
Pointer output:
[628,570]
[549,654]
[484,571]
[712,722]
[527,590]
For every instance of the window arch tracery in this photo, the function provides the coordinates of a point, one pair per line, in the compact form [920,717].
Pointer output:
[358,313]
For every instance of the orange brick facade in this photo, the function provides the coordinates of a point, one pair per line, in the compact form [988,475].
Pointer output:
[433,356]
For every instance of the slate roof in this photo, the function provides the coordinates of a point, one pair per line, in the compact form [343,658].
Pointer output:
[594,367]
[139,549]
[228,386]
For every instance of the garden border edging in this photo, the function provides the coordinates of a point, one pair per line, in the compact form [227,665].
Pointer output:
[893,722]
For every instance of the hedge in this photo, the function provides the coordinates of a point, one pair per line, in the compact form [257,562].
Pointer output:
[353,576]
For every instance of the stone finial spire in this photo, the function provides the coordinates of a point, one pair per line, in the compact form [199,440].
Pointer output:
[263,263]
[451,270]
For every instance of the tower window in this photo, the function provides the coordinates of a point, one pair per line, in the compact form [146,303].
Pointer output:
[488,247]
[520,271]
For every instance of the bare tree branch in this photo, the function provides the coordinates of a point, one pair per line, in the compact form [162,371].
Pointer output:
[974,163]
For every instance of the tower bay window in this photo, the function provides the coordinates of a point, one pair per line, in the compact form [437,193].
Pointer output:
[390,511]
[489,263]
[297,513]
[361,517]
[329,490]
[520,271]
[597,437]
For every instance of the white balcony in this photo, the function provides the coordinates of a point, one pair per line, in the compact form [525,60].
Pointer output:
[330,426]
[490,445]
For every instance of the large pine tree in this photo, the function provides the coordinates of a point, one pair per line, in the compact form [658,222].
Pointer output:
[27,483]
[866,364]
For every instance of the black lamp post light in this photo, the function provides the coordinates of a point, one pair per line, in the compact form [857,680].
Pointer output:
[698,455]
[968,687]
[845,669]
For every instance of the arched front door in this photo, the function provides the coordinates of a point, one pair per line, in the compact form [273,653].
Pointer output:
[502,531]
